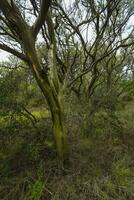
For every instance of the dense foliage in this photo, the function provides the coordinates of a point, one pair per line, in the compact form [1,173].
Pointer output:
[67,100]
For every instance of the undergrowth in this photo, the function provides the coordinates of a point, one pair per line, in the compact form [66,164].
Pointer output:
[100,165]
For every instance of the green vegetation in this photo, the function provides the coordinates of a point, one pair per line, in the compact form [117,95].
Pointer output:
[101,150]
[67,100]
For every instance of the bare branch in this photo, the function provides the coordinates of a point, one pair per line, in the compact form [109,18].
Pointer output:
[45,4]
[14,52]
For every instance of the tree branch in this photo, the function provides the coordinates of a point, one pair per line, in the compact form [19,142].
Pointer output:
[14,52]
[45,4]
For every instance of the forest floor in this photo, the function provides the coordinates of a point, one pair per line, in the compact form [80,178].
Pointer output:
[100,165]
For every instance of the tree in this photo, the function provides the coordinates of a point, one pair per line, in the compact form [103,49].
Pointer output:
[26,35]
[69,53]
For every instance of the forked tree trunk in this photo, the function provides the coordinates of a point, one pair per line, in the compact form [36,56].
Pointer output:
[49,85]
[53,97]
[57,113]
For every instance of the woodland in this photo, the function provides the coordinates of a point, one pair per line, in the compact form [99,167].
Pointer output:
[67,100]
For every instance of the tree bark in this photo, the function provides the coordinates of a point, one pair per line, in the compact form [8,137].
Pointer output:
[59,128]
[54,98]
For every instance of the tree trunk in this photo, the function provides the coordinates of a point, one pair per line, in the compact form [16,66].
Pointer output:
[58,118]
[59,132]
[52,95]
[49,84]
